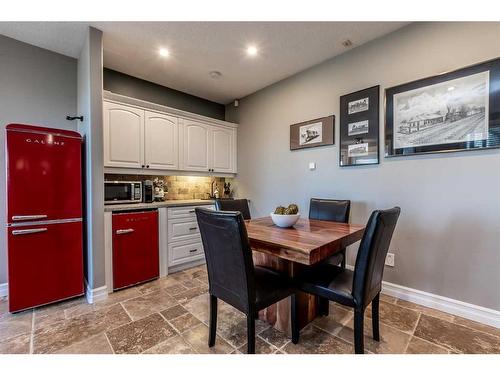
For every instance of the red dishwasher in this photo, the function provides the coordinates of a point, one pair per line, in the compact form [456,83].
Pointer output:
[135,247]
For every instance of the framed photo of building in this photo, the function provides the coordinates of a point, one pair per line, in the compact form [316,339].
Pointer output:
[454,111]
[313,133]
[359,127]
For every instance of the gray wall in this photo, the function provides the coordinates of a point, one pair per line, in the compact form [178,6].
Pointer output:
[37,87]
[124,84]
[447,239]
[90,106]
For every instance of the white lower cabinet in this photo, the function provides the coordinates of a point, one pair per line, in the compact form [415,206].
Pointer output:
[185,251]
[184,239]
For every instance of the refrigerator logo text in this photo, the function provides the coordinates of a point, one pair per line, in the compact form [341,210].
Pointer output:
[45,142]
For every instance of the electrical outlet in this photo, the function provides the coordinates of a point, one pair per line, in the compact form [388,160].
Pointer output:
[389,260]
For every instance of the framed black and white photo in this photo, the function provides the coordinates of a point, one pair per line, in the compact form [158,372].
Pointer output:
[313,133]
[359,105]
[455,111]
[356,128]
[359,127]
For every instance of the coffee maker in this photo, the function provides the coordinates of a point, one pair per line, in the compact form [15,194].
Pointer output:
[147,191]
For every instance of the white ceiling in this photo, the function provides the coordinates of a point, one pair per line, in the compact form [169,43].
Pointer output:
[197,48]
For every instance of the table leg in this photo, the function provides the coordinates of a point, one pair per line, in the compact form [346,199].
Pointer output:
[278,315]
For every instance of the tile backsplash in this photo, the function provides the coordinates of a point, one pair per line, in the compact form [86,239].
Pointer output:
[179,187]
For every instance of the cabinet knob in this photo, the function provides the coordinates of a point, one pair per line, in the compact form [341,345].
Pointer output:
[147,166]
[142,166]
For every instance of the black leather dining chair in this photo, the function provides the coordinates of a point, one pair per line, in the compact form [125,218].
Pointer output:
[358,288]
[240,205]
[330,210]
[232,276]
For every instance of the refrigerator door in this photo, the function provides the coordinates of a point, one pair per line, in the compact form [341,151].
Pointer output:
[45,263]
[43,174]
[135,248]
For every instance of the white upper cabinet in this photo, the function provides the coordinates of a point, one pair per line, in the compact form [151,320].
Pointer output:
[223,147]
[161,141]
[123,136]
[197,147]
[139,138]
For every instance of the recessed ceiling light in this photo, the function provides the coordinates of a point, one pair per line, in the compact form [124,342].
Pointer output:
[215,74]
[252,51]
[164,52]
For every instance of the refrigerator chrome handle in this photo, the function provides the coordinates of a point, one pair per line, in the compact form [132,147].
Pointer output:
[28,231]
[124,231]
[28,217]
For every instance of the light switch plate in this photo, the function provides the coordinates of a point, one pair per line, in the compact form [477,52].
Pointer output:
[312,166]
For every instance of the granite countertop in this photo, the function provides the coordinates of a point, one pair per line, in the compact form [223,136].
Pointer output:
[167,203]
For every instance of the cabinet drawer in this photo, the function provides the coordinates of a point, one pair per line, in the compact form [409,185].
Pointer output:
[183,229]
[184,252]
[185,212]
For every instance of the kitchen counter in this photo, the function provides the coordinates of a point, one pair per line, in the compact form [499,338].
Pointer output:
[167,203]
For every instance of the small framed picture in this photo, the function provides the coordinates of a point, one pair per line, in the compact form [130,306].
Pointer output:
[359,127]
[313,133]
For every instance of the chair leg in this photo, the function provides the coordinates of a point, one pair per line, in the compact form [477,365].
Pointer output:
[358,331]
[294,318]
[251,333]
[213,321]
[375,319]
[324,306]
[342,263]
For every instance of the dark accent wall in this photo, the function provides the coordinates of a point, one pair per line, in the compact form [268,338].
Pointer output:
[123,84]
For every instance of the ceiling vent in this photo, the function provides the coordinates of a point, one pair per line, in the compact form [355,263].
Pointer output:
[347,43]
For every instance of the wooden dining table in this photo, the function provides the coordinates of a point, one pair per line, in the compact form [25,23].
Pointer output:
[291,251]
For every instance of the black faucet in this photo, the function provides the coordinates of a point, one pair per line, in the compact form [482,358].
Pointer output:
[211,194]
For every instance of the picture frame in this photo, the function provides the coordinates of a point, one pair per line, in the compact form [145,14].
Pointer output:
[449,112]
[359,127]
[312,133]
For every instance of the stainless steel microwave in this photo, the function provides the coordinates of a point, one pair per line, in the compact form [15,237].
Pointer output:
[116,192]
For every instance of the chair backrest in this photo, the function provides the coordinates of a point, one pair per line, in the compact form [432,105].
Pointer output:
[330,209]
[228,256]
[234,205]
[370,260]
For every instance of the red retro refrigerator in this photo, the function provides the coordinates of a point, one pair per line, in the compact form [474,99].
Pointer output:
[44,215]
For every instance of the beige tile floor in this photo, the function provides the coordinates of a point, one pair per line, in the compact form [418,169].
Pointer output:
[170,315]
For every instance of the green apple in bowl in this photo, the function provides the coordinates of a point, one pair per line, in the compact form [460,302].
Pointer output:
[285,217]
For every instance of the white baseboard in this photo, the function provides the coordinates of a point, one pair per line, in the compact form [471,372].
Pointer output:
[4,290]
[451,306]
[90,294]
[94,294]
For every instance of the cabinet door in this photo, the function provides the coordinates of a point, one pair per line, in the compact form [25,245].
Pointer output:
[222,150]
[196,154]
[161,141]
[123,136]
[135,248]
